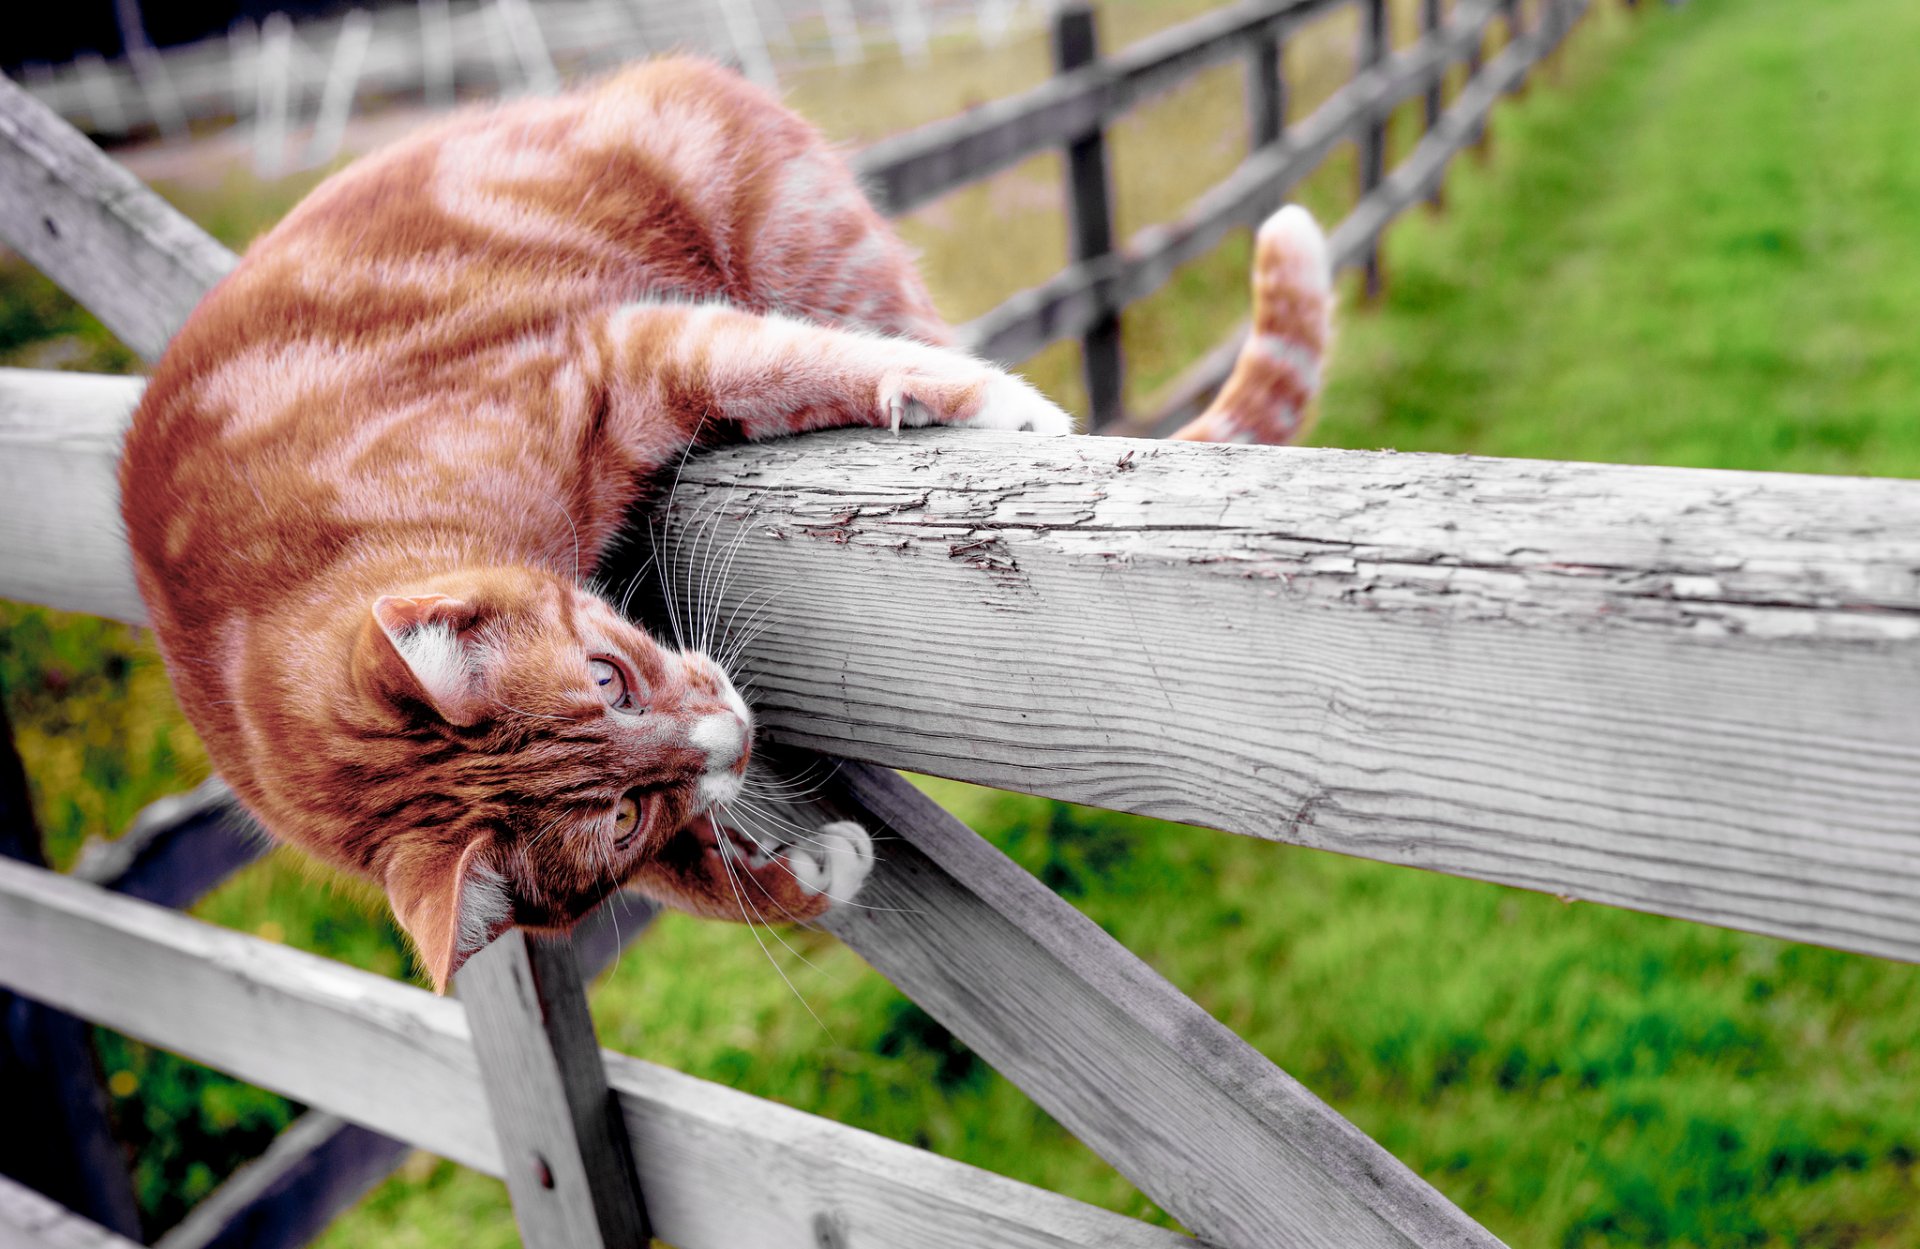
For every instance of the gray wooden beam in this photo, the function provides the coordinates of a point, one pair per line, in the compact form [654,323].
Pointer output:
[57,1138]
[322,1164]
[178,848]
[1089,192]
[722,1169]
[88,224]
[1234,1148]
[908,170]
[32,1220]
[569,1166]
[1375,47]
[1685,691]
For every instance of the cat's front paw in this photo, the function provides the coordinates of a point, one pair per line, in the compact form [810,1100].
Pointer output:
[833,862]
[1011,403]
[962,391]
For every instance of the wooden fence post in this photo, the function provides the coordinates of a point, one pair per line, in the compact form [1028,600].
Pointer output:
[436,53]
[343,79]
[568,1160]
[1090,218]
[1430,22]
[1266,90]
[843,31]
[57,1139]
[1373,139]
[272,76]
[749,41]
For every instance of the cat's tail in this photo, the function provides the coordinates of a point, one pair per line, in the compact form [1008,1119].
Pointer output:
[1267,397]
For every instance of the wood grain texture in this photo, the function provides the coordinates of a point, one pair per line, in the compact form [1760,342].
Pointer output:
[568,1166]
[728,1169]
[60,535]
[381,1053]
[724,1169]
[1080,295]
[1234,1148]
[1690,692]
[92,227]
[29,1220]
[1684,691]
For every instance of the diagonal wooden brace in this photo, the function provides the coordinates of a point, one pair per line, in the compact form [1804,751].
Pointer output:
[569,1165]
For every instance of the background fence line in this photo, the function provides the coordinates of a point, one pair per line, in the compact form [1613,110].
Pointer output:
[436,48]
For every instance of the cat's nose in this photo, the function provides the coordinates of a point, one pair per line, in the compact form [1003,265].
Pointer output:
[723,736]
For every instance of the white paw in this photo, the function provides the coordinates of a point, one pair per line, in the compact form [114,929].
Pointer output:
[833,860]
[1012,404]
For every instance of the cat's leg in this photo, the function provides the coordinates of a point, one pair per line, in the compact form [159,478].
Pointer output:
[705,366]
[722,872]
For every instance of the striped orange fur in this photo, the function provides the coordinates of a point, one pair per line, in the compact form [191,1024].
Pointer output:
[1268,396]
[371,471]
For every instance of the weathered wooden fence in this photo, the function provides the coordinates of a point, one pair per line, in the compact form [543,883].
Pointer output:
[260,73]
[1693,693]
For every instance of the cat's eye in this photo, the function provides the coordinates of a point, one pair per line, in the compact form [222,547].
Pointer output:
[615,687]
[626,820]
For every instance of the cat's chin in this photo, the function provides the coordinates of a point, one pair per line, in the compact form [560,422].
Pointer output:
[716,790]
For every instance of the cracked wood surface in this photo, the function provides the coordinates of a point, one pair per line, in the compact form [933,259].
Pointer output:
[1684,691]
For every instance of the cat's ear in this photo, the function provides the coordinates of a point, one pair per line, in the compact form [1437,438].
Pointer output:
[429,650]
[451,901]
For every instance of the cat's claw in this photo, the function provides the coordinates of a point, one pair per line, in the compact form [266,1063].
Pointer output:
[998,401]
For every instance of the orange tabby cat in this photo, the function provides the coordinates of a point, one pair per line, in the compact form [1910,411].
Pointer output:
[366,479]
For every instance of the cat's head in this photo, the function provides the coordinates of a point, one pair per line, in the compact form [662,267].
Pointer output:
[534,749]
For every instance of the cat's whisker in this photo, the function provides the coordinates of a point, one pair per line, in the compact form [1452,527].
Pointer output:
[713,572]
[802,834]
[633,584]
[724,580]
[747,912]
[780,788]
[695,586]
[669,601]
[756,625]
[619,946]
[728,815]
[807,781]
[739,817]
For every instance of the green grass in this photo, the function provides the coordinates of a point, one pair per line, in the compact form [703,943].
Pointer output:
[1703,254]
[1691,243]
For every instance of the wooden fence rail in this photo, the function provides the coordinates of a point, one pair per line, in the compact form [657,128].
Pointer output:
[1700,701]
[1694,693]
[731,1169]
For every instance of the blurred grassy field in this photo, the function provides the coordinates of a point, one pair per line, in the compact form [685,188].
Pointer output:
[1692,243]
